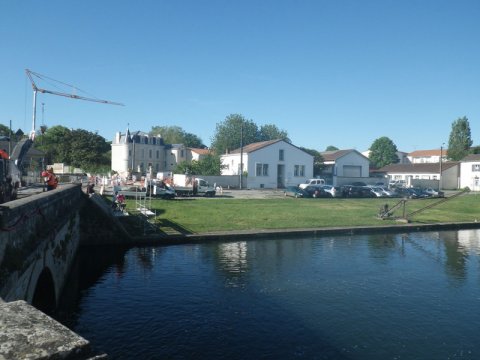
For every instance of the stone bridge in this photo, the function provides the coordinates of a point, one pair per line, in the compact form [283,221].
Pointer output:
[39,238]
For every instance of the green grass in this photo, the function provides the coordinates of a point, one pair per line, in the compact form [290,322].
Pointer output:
[198,215]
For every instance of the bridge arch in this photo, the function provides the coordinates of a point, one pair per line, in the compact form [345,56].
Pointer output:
[44,297]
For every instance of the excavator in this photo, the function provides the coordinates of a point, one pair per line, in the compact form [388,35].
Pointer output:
[11,165]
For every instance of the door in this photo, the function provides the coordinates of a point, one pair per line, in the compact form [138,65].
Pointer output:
[280,176]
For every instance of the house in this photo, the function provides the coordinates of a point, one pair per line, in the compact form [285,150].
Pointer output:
[141,152]
[345,166]
[428,172]
[197,154]
[470,172]
[138,152]
[269,164]
[427,156]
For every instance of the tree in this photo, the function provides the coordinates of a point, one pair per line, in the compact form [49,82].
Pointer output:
[272,132]
[232,132]
[235,130]
[460,139]
[210,165]
[4,130]
[88,149]
[176,135]
[331,148]
[55,144]
[317,160]
[80,148]
[383,152]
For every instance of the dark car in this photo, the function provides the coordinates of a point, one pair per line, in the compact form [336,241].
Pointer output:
[411,193]
[296,192]
[316,192]
[352,191]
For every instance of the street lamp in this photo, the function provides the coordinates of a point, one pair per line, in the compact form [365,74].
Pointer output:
[241,154]
[440,178]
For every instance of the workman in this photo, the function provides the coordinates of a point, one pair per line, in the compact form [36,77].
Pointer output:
[50,179]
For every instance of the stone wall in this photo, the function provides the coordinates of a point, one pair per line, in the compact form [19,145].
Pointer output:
[38,233]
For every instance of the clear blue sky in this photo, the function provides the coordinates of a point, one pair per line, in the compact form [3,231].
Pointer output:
[339,73]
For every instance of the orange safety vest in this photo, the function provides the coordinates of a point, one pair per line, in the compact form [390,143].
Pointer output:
[51,179]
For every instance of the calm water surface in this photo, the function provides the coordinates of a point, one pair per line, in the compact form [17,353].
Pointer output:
[395,296]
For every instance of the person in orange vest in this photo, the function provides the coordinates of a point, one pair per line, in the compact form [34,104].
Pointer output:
[3,154]
[50,179]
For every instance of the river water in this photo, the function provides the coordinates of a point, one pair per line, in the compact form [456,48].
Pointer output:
[394,296]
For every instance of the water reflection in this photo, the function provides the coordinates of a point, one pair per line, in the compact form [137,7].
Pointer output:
[351,297]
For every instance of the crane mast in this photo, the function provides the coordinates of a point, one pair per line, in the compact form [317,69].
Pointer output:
[36,89]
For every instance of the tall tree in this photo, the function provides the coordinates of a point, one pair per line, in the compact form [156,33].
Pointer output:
[383,152]
[88,149]
[80,148]
[55,142]
[331,148]
[317,160]
[234,131]
[272,132]
[460,139]
[176,135]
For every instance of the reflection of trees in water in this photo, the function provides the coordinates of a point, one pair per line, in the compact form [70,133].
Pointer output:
[382,246]
[456,256]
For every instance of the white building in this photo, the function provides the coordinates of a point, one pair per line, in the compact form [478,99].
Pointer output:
[142,153]
[345,166]
[138,152]
[470,172]
[269,164]
[426,171]
[427,156]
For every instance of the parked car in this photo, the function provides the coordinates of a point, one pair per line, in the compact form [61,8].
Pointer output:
[296,192]
[312,182]
[332,191]
[378,192]
[359,183]
[315,191]
[351,191]
[397,183]
[411,193]
[433,193]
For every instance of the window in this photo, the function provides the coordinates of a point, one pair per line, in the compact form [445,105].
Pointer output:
[158,154]
[261,169]
[476,167]
[299,170]
[150,153]
[182,153]
[143,153]
[281,155]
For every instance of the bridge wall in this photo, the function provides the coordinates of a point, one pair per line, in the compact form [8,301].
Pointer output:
[39,235]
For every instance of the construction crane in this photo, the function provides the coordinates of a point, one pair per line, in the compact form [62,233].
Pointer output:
[36,89]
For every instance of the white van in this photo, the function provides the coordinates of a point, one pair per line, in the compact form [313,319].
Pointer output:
[312,182]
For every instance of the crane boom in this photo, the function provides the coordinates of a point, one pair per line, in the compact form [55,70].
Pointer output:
[36,89]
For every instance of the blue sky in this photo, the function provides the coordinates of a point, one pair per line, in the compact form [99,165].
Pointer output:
[339,73]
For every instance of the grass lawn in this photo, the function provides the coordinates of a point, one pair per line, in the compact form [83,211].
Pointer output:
[197,215]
